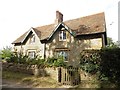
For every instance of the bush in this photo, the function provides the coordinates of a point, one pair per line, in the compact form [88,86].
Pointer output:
[6,53]
[57,62]
[89,61]
[110,63]
[50,61]
[36,61]
[106,62]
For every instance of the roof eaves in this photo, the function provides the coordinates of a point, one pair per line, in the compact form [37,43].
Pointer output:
[54,31]
[26,35]
[68,29]
[33,30]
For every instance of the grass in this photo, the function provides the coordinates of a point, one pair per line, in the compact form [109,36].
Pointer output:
[29,80]
[47,82]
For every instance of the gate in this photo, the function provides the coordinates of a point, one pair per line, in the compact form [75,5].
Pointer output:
[69,76]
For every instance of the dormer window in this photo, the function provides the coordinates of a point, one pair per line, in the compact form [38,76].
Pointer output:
[32,39]
[62,35]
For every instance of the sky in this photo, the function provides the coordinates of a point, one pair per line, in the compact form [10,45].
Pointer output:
[18,16]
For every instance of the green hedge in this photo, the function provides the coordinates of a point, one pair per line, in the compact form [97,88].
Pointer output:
[106,62]
[110,63]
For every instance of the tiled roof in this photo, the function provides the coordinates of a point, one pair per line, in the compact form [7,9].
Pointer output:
[85,25]
[20,39]
[45,31]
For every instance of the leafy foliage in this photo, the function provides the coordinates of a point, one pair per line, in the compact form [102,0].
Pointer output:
[106,62]
[17,57]
[57,62]
[110,63]
[6,53]
[112,44]
[60,62]
[89,61]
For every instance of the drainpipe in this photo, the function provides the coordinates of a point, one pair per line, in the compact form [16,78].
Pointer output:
[45,51]
[103,40]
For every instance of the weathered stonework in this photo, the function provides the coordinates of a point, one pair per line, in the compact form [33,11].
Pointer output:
[73,46]
[31,69]
[38,47]
[38,71]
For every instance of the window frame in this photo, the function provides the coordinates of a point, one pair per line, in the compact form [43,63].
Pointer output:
[32,39]
[61,35]
[33,53]
[63,52]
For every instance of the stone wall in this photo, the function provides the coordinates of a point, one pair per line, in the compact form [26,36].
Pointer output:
[38,71]
[31,69]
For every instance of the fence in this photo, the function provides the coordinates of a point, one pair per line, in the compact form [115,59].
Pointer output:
[68,76]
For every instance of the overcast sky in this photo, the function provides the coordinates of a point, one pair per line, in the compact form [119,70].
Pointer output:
[18,16]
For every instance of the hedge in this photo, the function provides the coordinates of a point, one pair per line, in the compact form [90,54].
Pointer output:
[106,62]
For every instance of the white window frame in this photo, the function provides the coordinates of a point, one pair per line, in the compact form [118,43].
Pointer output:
[64,54]
[31,54]
[61,35]
[32,39]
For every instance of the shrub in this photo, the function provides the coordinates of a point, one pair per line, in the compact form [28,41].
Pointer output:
[6,53]
[89,61]
[50,61]
[105,62]
[57,62]
[110,63]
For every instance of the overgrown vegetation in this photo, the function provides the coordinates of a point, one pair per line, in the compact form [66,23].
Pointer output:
[56,62]
[112,44]
[90,61]
[105,63]
[6,53]
[15,57]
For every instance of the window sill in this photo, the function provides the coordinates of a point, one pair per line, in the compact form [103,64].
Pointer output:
[62,40]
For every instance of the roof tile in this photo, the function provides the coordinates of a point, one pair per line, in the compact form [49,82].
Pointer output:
[85,25]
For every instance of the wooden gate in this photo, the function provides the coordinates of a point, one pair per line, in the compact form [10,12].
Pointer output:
[69,76]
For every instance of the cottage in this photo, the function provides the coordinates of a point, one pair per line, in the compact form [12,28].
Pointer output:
[66,38]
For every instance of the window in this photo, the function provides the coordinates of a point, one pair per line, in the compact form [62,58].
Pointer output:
[62,35]
[64,54]
[32,39]
[31,54]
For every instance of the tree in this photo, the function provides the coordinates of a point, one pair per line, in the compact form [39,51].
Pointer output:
[117,43]
[6,53]
[111,43]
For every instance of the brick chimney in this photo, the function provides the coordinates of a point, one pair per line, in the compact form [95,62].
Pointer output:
[59,18]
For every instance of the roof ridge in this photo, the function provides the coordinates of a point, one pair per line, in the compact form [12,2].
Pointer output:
[86,16]
[72,19]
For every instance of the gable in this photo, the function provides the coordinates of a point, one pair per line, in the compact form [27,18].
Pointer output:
[61,25]
[23,38]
